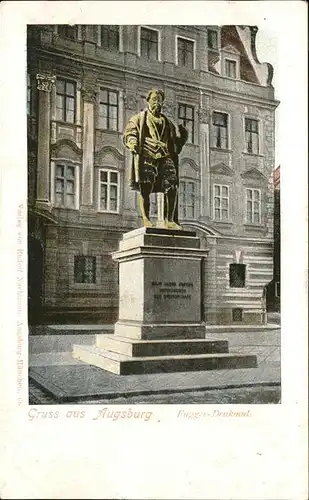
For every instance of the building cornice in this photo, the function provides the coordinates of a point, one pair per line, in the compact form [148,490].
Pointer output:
[227,94]
[243,238]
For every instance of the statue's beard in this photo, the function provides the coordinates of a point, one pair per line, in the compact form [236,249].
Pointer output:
[155,109]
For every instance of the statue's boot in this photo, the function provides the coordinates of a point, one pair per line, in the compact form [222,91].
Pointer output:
[147,223]
[173,225]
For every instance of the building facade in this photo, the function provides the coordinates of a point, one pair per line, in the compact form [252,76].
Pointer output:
[83,84]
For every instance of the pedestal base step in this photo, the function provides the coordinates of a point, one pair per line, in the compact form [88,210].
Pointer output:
[125,365]
[137,348]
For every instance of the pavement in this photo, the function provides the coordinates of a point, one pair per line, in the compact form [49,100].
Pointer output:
[56,377]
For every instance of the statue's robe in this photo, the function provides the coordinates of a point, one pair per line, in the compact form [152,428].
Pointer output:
[138,130]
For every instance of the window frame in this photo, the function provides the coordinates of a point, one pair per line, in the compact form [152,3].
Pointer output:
[177,37]
[277,287]
[139,42]
[109,170]
[231,60]
[95,275]
[117,106]
[65,36]
[215,184]
[252,208]
[209,31]
[100,38]
[67,163]
[66,96]
[234,309]
[244,267]
[259,133]
[228,131]
[182,208]
[189,120]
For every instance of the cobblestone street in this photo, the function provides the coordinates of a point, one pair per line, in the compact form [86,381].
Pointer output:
[57,378]
[243,395]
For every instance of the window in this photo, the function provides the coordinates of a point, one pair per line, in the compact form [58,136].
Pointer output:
[110,37]
[186,117]
[212,37]
[28,95]
[221,202]
[230,68]
[65,186]
[108,112]
[84,269]
[220,130]
[149,44]
[109,191]
[277,289]
[237,314]
[185,52]
[252,135]
[253,206]
[67,31]
[187,200]
[65,101]
[237,275]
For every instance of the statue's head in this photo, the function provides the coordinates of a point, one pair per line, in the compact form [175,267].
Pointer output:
[155,100]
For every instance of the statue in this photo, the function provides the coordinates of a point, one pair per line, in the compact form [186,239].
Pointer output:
[155,146]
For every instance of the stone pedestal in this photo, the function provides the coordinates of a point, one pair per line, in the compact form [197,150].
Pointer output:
[161,312]
[160,290]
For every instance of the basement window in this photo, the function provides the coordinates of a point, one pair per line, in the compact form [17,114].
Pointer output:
[84,269]
[237,314]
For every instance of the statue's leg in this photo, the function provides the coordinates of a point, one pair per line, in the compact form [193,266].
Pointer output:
[144,202]
[171,198]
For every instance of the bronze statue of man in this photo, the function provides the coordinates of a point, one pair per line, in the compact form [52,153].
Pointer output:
[155,146]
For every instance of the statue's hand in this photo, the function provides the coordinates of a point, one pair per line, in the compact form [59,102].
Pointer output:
[133,149]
